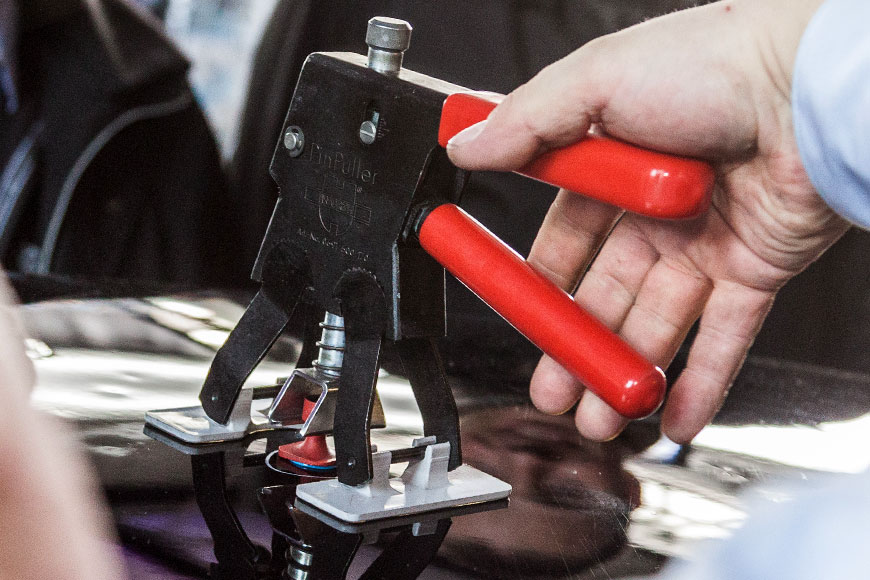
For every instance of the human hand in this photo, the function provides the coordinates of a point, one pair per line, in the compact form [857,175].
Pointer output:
[710,82]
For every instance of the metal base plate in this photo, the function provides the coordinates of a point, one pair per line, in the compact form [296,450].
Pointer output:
[412,493]
[423,520]
[192,425]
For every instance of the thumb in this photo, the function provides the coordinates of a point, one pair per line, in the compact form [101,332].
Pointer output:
[555,108]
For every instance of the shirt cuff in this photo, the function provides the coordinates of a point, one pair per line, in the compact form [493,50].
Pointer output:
[831,106]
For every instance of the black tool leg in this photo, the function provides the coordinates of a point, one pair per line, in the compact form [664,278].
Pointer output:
[284,278]
[364,309]
[248,343]
[330,550]
[434,398]
[237,556]
[407,555]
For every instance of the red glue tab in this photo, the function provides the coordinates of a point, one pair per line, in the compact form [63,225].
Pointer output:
[311,451]
[639,180]
[544,313]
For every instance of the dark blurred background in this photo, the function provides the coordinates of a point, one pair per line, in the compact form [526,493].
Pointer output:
[127,159]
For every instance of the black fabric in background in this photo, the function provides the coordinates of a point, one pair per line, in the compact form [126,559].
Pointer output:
[151,203]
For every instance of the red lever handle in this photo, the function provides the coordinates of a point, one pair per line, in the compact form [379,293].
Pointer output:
[543,312]
[639,180]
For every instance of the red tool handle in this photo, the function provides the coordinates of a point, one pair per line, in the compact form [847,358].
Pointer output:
[639,180]
[543,312]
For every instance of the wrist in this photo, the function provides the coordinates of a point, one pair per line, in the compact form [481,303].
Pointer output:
[777,27]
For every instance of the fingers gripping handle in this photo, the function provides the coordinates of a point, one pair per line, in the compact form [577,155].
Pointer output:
[542,312]
[639,180]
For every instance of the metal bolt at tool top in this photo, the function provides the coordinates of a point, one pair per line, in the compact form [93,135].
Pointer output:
[294,141]
[388,39]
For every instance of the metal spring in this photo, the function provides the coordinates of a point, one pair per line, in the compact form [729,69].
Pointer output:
[298,563]
[331,345]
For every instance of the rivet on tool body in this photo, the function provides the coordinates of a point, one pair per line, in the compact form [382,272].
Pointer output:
[294,141]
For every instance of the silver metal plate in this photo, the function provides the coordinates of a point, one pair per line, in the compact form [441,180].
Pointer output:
[192,425]
[410,494]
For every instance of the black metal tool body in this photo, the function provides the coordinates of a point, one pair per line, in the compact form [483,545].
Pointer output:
[357,162]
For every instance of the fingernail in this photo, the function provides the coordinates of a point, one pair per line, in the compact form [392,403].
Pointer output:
[467,135]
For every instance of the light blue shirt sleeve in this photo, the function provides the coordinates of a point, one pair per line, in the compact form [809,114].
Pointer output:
[831,106]
[821,532]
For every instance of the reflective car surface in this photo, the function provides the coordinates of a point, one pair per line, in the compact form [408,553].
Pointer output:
[578,509]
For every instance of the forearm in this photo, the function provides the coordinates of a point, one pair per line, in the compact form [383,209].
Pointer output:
[51,522]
